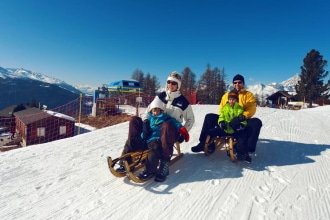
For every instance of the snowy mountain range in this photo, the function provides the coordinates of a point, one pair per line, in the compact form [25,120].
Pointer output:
[258,89]
[264,91]
[20,73]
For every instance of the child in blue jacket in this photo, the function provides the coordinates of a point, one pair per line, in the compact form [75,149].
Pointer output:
[151,135]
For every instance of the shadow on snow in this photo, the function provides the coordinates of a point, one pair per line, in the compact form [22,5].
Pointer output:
[194,167]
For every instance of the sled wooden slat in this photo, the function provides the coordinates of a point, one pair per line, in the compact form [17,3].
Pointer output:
[220,142]
[137,163]
[111,164]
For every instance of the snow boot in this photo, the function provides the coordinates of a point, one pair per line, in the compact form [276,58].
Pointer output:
[163,171]
[121,169]
[144,175]
[198,148]
[211,148]
[247,158]
[244,157]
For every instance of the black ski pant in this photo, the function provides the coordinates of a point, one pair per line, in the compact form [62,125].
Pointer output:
[252,129]
[154,155]
[134,141]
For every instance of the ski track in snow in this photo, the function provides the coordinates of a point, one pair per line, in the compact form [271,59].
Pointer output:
[287,179]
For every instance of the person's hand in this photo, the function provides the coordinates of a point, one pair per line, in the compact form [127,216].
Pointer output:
[184,133]
[241,127]
[241,118]
[236,124]
[222,125]
[145,129]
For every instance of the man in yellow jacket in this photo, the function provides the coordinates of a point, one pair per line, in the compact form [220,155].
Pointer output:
[247,100]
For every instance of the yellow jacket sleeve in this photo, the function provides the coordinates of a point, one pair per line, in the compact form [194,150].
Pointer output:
[245,99]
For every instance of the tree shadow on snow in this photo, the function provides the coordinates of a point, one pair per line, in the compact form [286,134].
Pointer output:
[211,169]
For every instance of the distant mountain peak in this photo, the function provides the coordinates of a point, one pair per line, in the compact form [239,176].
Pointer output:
[21,73]
[258,89]
[291,81]
[264,91]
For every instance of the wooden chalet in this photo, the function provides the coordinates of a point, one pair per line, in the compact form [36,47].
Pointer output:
[40,126]
[281,99]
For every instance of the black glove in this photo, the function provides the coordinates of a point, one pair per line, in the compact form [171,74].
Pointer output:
[222,125]
[236,124]
[146,129]
[241,118]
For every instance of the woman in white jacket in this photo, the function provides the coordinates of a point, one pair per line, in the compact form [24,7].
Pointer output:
[177,106]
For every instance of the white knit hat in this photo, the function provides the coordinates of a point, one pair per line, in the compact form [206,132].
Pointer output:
[176,77]
[157,103]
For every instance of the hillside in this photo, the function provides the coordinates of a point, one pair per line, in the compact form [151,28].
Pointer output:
[16,91]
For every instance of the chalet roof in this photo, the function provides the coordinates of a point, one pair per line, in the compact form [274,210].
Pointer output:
[7,112]
[280,93]
[30,115]
[60,115]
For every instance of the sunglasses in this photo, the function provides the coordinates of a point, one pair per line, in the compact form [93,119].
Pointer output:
[238,82]
[172,83]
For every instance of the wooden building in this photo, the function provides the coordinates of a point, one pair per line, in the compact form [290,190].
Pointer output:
[281,99]
[40,126]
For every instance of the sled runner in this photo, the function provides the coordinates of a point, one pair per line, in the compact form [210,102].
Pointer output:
[135,161]
[227,142]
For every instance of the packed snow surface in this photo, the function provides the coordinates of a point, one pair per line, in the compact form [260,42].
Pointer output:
[289,177]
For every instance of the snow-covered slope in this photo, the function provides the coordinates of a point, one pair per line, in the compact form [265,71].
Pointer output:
[69,179]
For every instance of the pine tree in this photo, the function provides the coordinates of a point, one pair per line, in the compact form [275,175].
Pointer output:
[138,75]
[150,85]
[155,84]
[149,82]
[211,86]
[311,87]
[188,82]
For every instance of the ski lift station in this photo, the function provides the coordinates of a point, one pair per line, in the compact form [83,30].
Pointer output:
[118,88]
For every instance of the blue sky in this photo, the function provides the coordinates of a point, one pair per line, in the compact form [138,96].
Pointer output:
[99,41]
